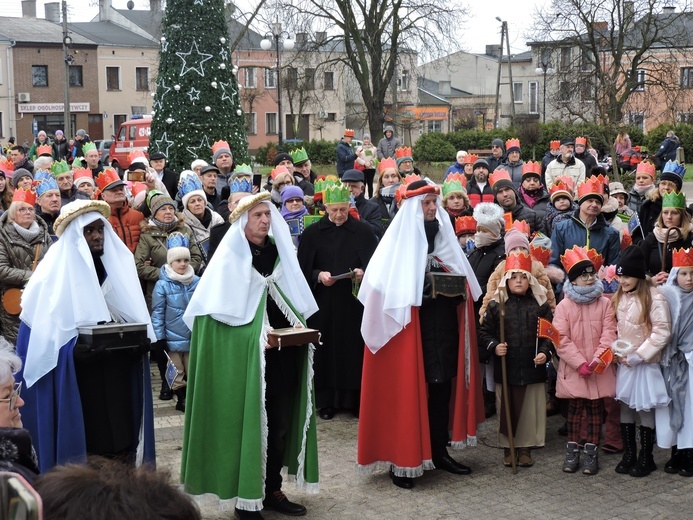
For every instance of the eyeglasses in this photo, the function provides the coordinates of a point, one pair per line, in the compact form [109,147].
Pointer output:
[294,201]
[26,210]
[12,399]
[587,276]
[280,184]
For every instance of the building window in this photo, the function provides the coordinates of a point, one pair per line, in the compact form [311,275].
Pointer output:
[533,97]
[250,123]
[76,76]
[291,77]
[587,90]
[585,61]
[331,116]
[329,80]
[270,78]
[138,110]
[270,123]
[564,91]
[142,78]
[39,75]
[404,80]
[686,77]
[517,92]
[435,126]
[566,59]
[685,117]
[637,119]
[310,79]
[250,77]
[112,78]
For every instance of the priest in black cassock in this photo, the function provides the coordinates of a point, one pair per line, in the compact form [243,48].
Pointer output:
[338,244]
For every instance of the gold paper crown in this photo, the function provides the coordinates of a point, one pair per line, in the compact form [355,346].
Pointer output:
[679,257]
[518,262]
[82,173]
[581,140]
[412,177]
[404,151]
[24,195]
[336,194]
[646,167]
[577,254]
[6,165]
[562,186]
[532,167]
[386,164]
[465,225]
[499,175]
[44,149]
[540,254]
[470,158]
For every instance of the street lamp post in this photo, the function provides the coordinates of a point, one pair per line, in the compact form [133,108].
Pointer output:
[68,61]
[544,68]
[277,34]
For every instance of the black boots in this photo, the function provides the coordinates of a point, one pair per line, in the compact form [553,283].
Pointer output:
[686,463]
[180,395]
[645,464]
[674,464]
[630,451]
[166,393]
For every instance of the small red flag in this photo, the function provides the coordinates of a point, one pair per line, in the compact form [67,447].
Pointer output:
[546,330]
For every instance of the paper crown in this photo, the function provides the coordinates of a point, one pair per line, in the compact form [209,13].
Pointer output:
[590,187]
[43,182]
[645,167]
[470,158]
[522,227]
[220,145]
[385,164]
[106,177]
[137,188]
[6,166]
[581,140]
[24,195]
[674,167]
[465,225]
[499,175]
[674,200]
[88,146]
[59,168]
[679,257]
[177,239]
[336,194]
[577,255]
[555,144]
[531,167]
[299,155]
[348,132]
[322,183]
[540,254]
[243,169]
[411,177]
[454,183]
[82,174]
[562,186]
[279,170]
[241,186]
[601,178]
[508,218]
[188,184]
[518,262]
[513,143]
[136,154]
[403,152]
[44,149]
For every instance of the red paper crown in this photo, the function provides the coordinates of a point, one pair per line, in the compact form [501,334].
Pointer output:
[24,195]
[581,140]
[470,158]
[518,262]
[577,254]
[555,144]
[531,167]
[540,254]
[137,187]
[82,173]
[387,163]
[512,143]
[563,185]
[106,177]
[590,186]
[44,149]
[348,132]
[465,225]
[499,175]
[404,151]
[6,165]
[522,227]
[134,155]
[603,179]
[646,167]
[508,218]
[679,257]
[278,171]
[220,145]
[457,177]
[412,177]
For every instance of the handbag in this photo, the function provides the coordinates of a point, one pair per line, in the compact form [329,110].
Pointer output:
[12,297]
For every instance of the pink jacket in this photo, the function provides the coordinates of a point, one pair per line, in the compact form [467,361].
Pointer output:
[630,328]
[586,331]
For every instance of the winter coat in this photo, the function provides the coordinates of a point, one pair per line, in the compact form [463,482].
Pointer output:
[475,195]
[152,246]
[71,195]
[522,313]
[369,213]
[484,260]
[32,151]
[630,329]
[539,206]
[588,160]
[635,200]
[522,212]
[667,150]
[495,162]
[200,231]
[586,331]
[345,157]
[574,168]
[602,237]
[538,271]
[553,216]
[387,147]
[515,170]
[454,168]
[649,213]
[16,260]
[126,223]
[548,157]
[653,252]
[61,149]
[169,301]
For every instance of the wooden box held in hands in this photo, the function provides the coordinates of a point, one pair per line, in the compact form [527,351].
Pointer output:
[292,336]
[447,284]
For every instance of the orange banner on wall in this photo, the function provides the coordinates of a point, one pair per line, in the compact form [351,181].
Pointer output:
[424,113]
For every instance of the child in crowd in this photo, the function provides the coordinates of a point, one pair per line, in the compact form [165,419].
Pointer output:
[524,301]
[585,321]
[674,426]
[561,206]
[465,230]
[172,293]
[643,331]
[617,191]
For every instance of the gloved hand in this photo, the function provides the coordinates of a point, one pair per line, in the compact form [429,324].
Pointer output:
[585,370]
[633,359]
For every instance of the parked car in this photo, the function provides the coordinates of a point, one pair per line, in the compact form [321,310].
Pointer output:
[104,148]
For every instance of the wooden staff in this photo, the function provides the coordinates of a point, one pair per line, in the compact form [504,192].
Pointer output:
[504,371]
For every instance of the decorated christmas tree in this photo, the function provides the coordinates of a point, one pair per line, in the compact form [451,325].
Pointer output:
[196,101]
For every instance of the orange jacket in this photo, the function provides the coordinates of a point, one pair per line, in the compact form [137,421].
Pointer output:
[126,223]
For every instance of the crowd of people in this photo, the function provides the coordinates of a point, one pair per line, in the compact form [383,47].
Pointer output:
[521,288]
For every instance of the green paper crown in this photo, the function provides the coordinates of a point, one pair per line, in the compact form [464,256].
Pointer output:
[674,200]
[323,184]
[88,146]
[452,187]
[299,155]
[60,168]
[336,194]
[243,168]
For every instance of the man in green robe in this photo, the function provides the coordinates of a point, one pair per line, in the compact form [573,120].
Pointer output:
[250,409]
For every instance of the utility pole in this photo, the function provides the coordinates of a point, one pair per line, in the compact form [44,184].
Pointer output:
[68,60]
[504,28]
[496,116]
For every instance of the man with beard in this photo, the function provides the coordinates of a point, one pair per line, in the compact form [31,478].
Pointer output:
[565,165]
[479,189]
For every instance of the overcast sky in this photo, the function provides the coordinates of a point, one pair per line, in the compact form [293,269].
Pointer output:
[479,29]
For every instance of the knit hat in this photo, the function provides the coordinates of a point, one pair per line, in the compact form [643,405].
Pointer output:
[481,163]
[282,157]
[674,172]
[499,143]
[490,216]
[178,246]
[157,200]
[218,148]
[291,192]
[632,263]
[515,238]
[590,189]
[403,154]
[540,248]
[366,136]
[562,187]
[198,163]
[59,132]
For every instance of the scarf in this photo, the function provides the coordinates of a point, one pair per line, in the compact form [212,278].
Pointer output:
[28,234]
[431,229]
[641,190]
[583,295]
[163,226]
[185,278]
[531,197]
[661,234]
[288,215]
[484,238]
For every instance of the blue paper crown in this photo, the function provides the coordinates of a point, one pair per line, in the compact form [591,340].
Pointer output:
[188,184]
[177,239]
[44,181]
[675,168]
[241,186]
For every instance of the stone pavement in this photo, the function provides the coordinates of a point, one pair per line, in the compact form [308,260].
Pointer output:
[491,491]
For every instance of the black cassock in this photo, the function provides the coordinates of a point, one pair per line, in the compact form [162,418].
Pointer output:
[338,361]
